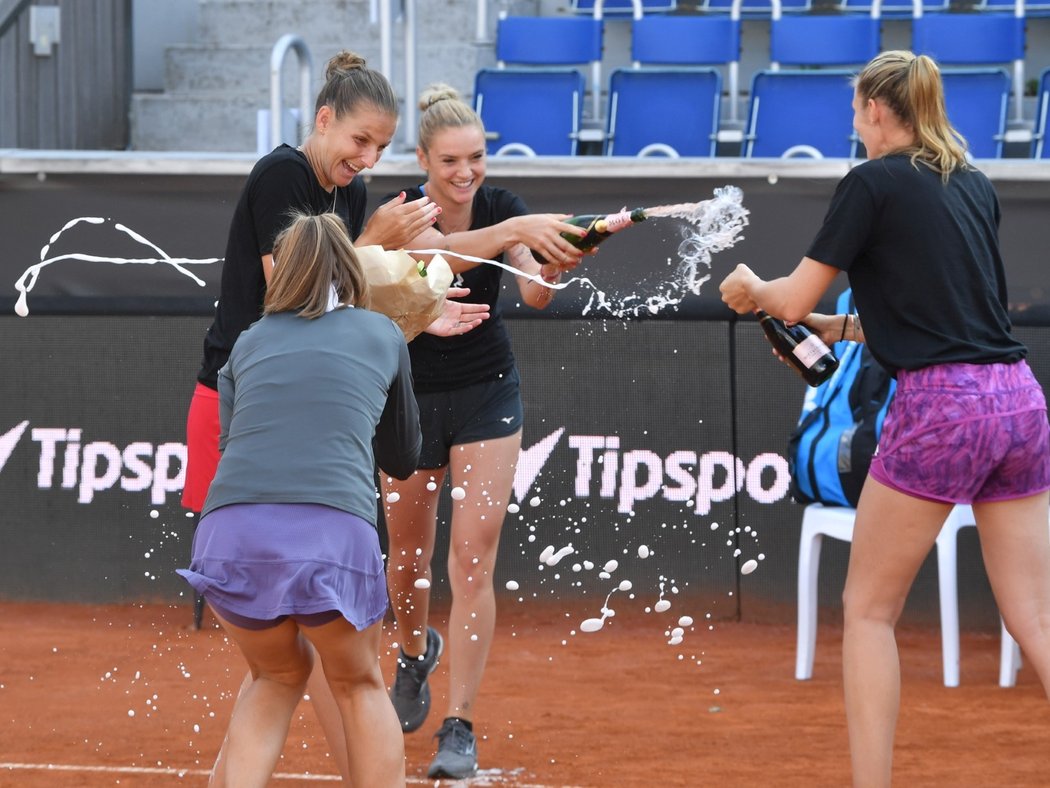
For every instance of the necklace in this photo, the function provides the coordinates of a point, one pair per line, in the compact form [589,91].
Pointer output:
[335,189]
[458,227]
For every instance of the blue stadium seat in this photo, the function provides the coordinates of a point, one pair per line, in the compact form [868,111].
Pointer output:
[531,112]
[976,101]
[1040,149]
[801,113]
[536,105]
[812,40]
[669,103]
[662,111]
[974,40]
[808,110]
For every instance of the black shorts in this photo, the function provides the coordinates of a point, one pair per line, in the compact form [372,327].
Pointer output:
[484,411]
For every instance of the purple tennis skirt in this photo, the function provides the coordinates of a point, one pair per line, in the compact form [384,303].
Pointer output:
[264,561]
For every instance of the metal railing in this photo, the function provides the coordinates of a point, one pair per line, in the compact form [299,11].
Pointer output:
[277,55]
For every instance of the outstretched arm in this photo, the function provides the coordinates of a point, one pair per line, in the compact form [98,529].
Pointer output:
[539,231]
[532,292]
[791,297]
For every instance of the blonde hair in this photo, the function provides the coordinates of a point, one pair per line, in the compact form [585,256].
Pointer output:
[311,255]
[911,86]
[349,82]
[442,108]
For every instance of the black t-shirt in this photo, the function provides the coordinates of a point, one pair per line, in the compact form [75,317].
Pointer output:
[483,354]
[924,263]
[281,183]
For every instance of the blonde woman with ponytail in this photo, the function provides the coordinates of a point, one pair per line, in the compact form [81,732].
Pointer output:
[471,415]
[915,228]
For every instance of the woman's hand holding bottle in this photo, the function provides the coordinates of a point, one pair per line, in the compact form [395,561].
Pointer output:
[544,233]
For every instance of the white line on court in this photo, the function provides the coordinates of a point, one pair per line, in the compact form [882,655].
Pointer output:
[485,777]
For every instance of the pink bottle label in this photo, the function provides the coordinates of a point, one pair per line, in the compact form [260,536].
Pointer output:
[810,350]
[617,221]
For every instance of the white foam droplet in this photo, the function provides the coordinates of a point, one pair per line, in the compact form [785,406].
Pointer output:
[458,493]
[512,585]
[625,585]
[513,508]
[21,305]
[643,551]
[393,497]
[534,500]
[677,632]
[675,641]
[154,514]
[548,551]
[749,566]
[431,486]
[556,557]
[592,624]
[685,621]
[610,566]
[422,582]
[661,606]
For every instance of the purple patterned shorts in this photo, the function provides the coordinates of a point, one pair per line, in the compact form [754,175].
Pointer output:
[964,433]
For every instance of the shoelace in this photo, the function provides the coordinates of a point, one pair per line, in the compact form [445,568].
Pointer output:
[457,737]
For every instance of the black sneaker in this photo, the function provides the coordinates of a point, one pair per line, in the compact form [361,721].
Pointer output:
[457,755]
[411,693]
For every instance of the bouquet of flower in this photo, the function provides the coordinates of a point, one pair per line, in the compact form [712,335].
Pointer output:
[403,289]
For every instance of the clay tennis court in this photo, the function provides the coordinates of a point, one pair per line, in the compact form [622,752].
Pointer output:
[131,695]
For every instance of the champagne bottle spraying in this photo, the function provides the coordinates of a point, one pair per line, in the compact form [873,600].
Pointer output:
[599,227]
[800,347]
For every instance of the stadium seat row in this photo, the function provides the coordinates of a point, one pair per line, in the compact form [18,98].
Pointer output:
[669,101]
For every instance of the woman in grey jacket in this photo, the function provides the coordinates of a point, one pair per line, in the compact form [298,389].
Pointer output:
[286,552]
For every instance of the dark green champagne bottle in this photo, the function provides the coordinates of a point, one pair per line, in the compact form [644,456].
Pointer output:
[804,350]
[599,227]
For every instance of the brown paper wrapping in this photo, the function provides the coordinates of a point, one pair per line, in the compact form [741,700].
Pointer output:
[400,292]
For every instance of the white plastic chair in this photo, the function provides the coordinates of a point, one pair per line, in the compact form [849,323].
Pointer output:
[819,521]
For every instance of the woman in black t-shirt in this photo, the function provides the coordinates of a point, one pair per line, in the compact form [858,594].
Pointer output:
[916,229]
[471,416]
[355,120]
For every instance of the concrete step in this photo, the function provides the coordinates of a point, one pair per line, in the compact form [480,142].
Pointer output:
[336,23]
[229,68]
[194,122]
[215,86]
